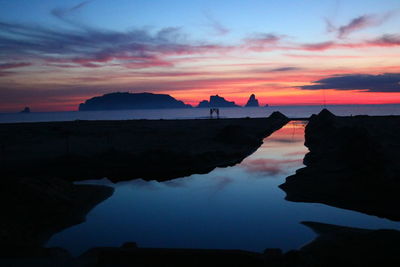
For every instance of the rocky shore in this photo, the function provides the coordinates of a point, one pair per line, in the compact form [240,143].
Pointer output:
[334,246]
[33,209]
[40,162]
[124,150]
[352,164]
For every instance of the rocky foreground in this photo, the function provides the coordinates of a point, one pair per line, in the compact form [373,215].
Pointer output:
[334,246]
[40,161]
[353,163]
[124,150]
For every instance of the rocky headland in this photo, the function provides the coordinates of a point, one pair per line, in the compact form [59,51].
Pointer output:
[352,164]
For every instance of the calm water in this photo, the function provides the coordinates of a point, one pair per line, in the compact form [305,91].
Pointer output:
[239,207]
[290,111]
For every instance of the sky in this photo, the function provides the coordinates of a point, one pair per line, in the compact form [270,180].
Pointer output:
[55,54]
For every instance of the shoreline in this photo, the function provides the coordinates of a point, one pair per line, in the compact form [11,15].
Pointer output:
[204,108]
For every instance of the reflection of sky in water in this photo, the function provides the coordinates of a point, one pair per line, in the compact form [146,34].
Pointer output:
[238,207]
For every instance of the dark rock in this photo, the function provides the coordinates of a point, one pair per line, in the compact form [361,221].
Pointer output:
[217,102]
[26,110]
[346,246]
[118,101]
[204,104]
[33,209]
[109,256]
[273,255]
[252,102]
[124,150]
[352,164]
[129,245]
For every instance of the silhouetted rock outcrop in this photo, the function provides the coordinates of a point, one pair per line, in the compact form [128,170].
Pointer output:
[352,164]
[252,102]
[123,150]
[217,102]
[26,110]
[118,101]
[33,209]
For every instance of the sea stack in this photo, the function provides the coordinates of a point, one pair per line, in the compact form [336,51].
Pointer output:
[252,102]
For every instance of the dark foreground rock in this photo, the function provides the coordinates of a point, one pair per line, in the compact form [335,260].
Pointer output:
[353,163]
[346,246]
[33,209]
[124,150]
[334,246]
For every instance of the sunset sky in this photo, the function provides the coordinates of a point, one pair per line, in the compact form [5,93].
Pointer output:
[54,54]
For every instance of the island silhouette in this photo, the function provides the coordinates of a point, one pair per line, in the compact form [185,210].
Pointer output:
[120,101]
[125,100]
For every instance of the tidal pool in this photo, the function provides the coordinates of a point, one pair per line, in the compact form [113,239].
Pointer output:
[239,207]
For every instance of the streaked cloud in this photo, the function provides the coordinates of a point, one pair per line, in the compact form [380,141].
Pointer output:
[359,23]
[217,27]
[5,66]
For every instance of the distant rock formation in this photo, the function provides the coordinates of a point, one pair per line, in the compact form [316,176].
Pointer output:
[252,102]
[119,101]
[26,110]
[204,104]
[217,102]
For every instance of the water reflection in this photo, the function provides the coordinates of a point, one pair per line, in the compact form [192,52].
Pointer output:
[239,207]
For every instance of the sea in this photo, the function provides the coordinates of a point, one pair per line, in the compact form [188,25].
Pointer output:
[238,207]
[199,113]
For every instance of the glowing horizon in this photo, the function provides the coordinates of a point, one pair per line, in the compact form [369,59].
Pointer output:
[56,54]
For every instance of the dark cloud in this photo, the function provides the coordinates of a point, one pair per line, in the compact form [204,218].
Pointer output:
[262,41]
[388,82]
[359,23]
[5,66]
[269,70]
[285,69]
[356,24]
[386,40]
[63,13]
[317,46]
